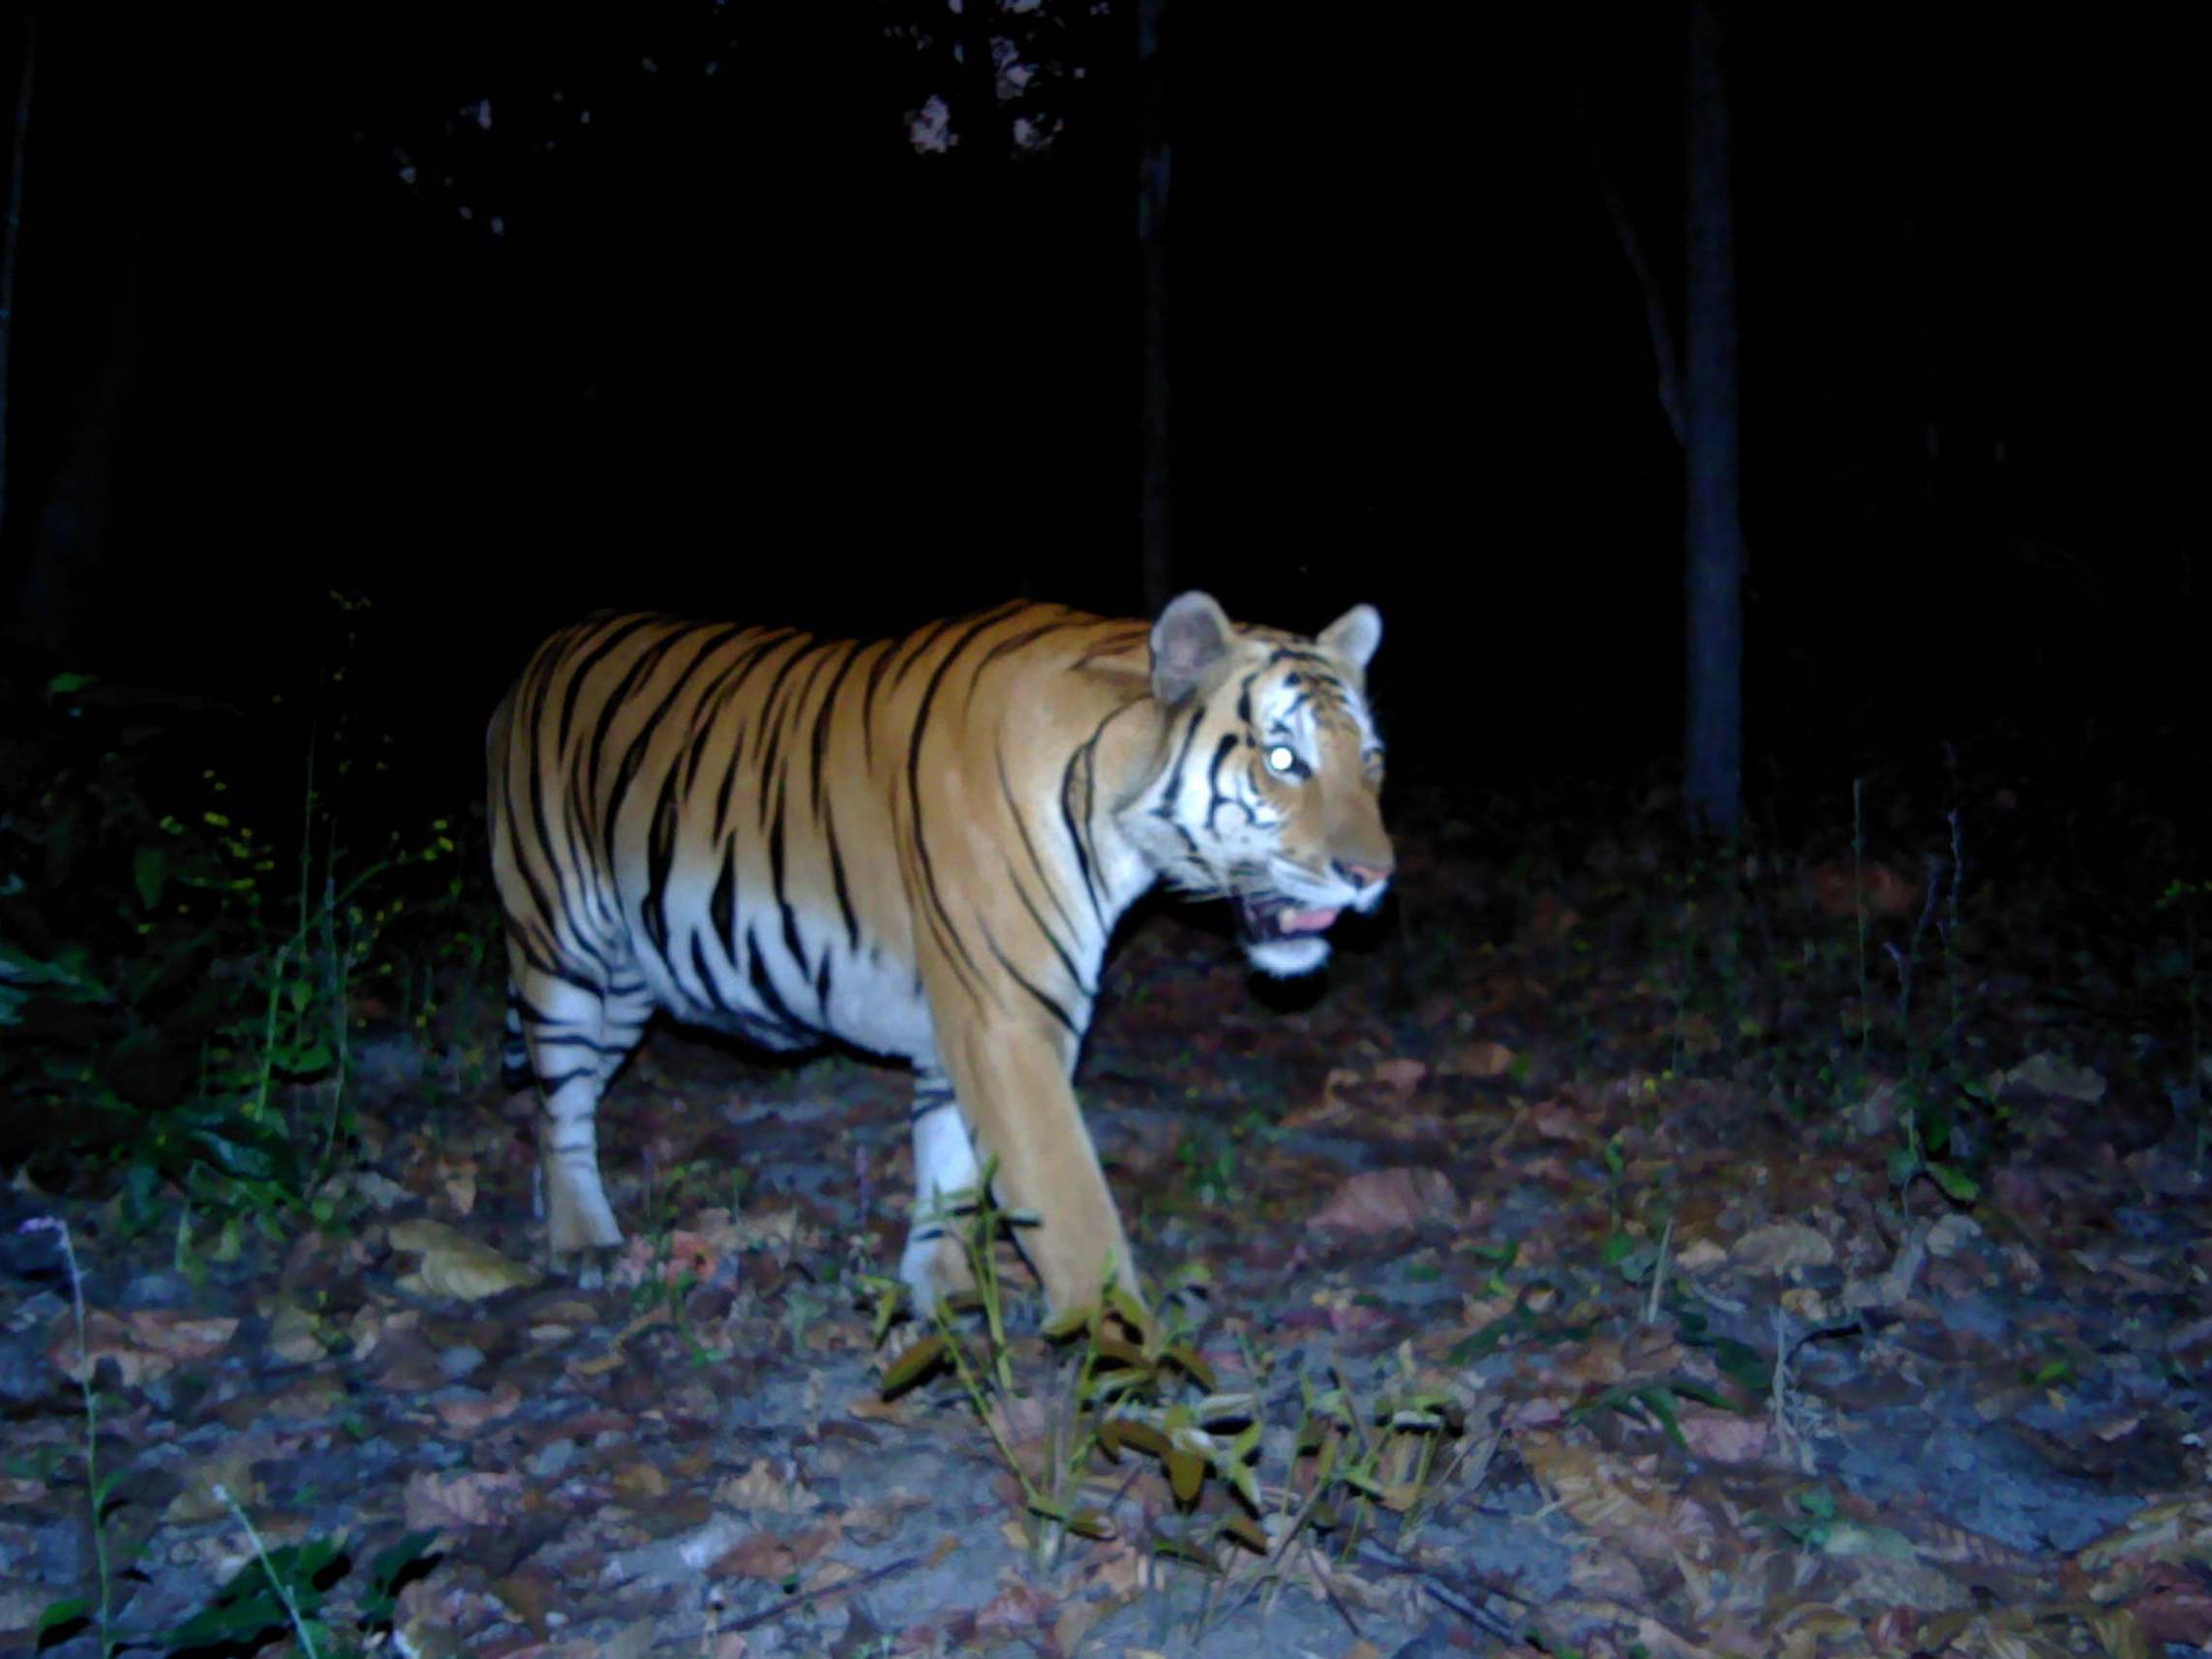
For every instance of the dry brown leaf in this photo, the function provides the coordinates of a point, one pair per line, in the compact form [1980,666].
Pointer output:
[472,1499]
[758,1229]
[1952,1234]
[1698,1255]
[295,1334]
[1606,1571]
[1387,1201]
[466,1413]
[456,1178]
[1017,1608]
[145,1342]
[1660,1641]
[1555,1119]
[686,1254]
[1723,1436]
[1479,1059]
[232,1469]
[2174,1603]
[1872,1584]
[2176,1530]
[2048,1075]
[1603,1495]
[453,1264]
[1801,1630]
[1783,1246]
[764,1488]
[762,1556]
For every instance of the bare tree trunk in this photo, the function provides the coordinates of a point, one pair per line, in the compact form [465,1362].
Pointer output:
[1713,525]
[8,254]
[1154,525]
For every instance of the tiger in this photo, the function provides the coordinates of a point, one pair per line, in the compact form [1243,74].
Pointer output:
[918,847]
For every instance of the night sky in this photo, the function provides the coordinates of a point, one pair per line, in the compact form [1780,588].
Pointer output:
[734,346]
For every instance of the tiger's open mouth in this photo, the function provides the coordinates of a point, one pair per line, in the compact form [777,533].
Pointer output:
[1267,916]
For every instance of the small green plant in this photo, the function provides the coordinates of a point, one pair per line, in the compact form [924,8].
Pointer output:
[177,993]
[1127,1370]
[1135,1382]
[283,1590]
[98,1488]
[1209,1162]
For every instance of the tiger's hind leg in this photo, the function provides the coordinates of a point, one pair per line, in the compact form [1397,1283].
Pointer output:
[574,1039]
[935,1265]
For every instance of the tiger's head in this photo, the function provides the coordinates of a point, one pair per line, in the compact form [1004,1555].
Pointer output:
[1269,791]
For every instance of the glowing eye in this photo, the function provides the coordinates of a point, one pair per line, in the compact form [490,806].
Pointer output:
[1282,758]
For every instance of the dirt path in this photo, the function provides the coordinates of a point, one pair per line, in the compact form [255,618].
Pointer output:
[1507,1182]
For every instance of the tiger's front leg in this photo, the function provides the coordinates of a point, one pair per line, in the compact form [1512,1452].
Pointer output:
[1013,1083]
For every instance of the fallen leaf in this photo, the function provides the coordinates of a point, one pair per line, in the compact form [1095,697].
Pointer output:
[2173,1603]
[463,1414]
[1951,1233]
[1385,1200]
[435,1500]
[682,1255]
[454,1264]
[1781,1248]
[1401,1075]
[144,1342]
[1479,1059]
[2048,1074]
[232,1469]
[295,1334]
[1723,1436]
[762,1487]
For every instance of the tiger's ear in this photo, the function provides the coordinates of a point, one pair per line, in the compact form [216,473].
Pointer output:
[1353,636]
[1191,635]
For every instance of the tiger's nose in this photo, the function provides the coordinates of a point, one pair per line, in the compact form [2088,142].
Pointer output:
[1363,875]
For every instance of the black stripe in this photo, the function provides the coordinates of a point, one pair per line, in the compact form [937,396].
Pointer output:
[837,879]
[1067,961]
[940,919]
[823,713]
[706,978]
[764,988]
[1045,999]
[1217,799]
[584,664]
[722,907]
[1028,846]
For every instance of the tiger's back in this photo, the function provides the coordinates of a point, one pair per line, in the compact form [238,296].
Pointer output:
[916,846]
[729,798]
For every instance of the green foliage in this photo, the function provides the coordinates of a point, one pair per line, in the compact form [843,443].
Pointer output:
[177,985]
[283,1591]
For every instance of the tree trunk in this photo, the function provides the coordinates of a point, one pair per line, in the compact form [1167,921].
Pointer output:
[1153,519]
[1713,525]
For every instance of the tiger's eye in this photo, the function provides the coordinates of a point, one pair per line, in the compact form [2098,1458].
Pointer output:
[1282,758]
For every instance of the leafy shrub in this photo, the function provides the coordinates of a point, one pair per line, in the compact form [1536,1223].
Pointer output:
[175,984]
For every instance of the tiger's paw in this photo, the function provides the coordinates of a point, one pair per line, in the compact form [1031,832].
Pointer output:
[582,1246]
[935,1269]
[586,1268]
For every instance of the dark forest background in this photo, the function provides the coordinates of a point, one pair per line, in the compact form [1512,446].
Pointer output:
[497,316]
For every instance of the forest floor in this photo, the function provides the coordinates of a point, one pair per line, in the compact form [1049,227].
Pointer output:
[1609,1256]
